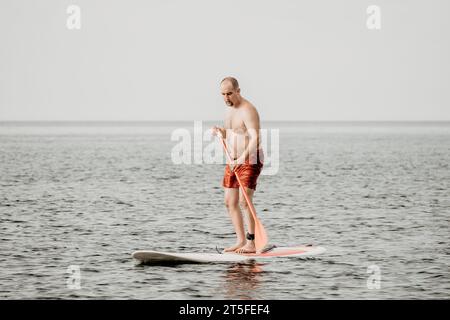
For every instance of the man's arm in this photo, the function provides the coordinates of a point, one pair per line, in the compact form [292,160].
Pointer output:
[251,121]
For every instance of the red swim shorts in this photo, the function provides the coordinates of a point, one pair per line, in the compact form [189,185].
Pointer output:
[248,174]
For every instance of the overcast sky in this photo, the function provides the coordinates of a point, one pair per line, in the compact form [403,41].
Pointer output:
[163,59]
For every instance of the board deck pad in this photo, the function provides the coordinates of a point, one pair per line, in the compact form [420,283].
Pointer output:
[149,256]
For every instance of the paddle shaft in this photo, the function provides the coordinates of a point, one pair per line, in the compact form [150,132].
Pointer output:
[244,192]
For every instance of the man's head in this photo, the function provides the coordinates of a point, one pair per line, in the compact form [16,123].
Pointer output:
[229,88]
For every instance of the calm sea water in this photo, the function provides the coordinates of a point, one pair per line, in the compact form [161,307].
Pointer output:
[85,196]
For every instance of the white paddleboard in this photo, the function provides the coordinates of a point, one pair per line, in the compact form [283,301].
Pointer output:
[148,256]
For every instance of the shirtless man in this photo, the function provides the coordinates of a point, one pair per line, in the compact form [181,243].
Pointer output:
[241,132]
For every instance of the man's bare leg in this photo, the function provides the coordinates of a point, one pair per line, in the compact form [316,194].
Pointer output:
[249,246]
[232,204]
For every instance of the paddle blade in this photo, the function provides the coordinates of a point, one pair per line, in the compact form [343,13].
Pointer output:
[261,238]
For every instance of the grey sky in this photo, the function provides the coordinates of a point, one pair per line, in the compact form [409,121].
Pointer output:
[163,59]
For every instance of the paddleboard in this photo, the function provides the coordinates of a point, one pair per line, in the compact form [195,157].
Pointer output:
[149,256]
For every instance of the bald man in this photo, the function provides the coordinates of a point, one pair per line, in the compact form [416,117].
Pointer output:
[241,131]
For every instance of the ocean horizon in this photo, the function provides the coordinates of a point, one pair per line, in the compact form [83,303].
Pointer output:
[174,122]
[44,128]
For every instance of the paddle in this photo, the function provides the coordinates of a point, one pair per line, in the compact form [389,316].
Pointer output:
[261,238]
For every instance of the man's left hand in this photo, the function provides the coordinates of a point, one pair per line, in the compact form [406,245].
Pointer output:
[236,163]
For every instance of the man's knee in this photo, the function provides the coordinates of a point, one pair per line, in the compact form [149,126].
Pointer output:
[230,202]
[243,203]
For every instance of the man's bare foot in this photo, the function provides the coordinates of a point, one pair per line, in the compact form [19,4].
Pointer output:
[235,247]
[249,247]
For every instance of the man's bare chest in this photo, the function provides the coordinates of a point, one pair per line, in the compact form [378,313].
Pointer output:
[236,123]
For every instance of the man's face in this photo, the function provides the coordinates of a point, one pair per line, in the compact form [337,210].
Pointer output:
[230,95]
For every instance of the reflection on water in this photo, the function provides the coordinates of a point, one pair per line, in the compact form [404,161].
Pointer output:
[242,280]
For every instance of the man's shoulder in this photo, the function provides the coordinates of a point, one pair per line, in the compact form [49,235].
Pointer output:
[247,106]
[249,114]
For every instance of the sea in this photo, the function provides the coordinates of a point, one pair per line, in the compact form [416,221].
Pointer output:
[77,198]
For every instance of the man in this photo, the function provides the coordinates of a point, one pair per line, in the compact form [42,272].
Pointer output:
[241,131]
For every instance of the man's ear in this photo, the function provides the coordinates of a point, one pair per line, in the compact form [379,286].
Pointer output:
[239,90]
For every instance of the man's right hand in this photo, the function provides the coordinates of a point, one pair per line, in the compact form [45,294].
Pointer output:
[216,130]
